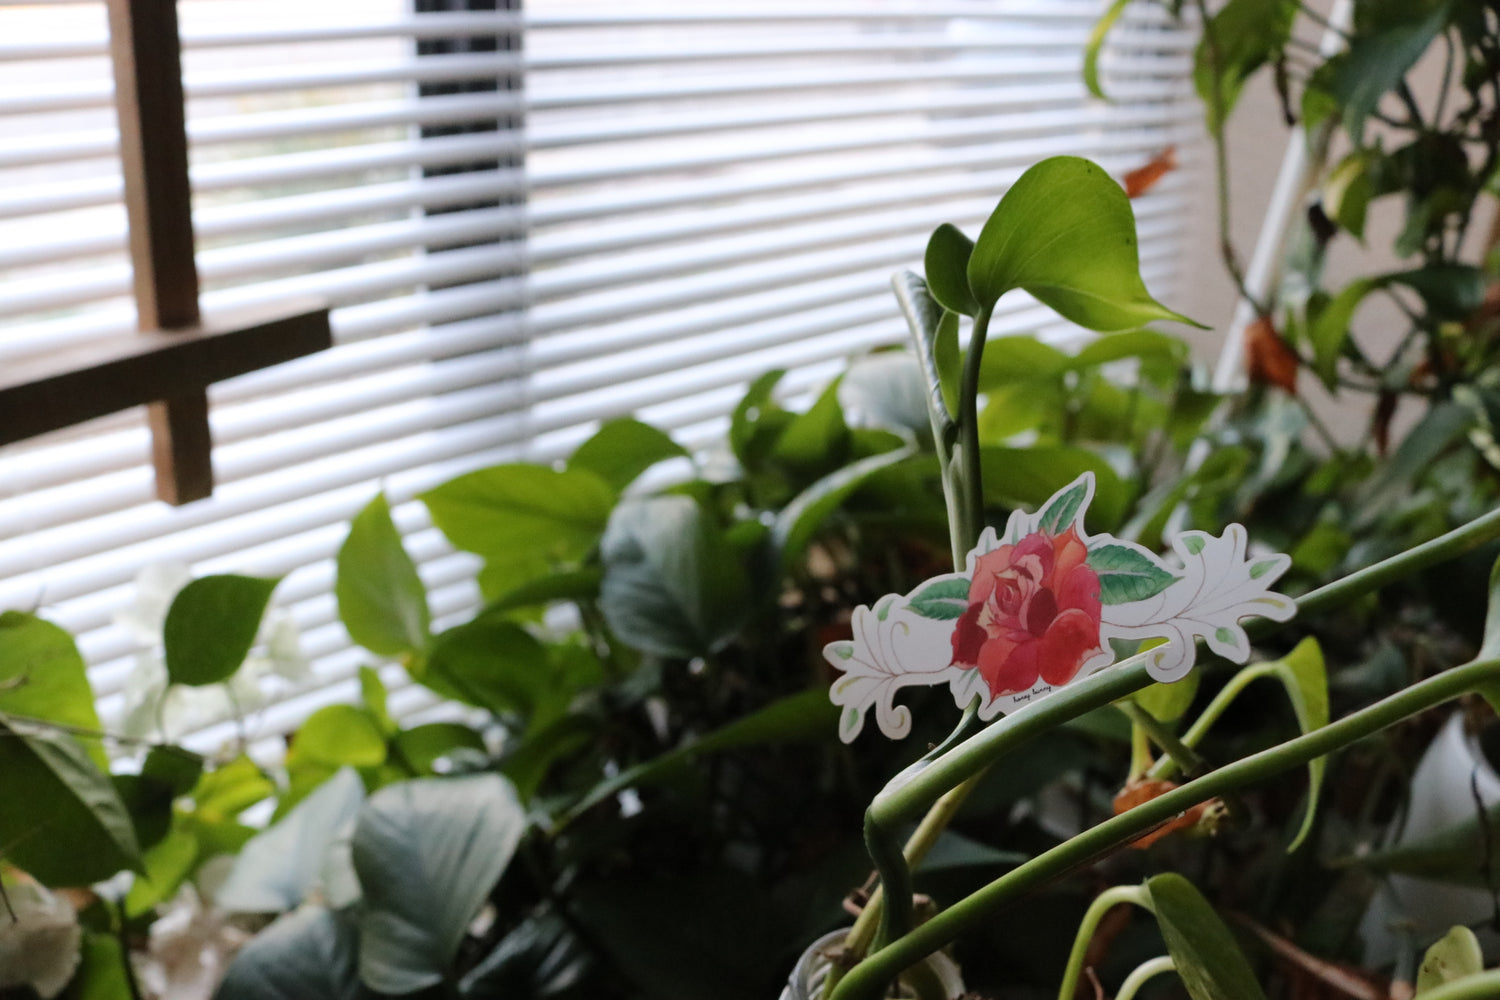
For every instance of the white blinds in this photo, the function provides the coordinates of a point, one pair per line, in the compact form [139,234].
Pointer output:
[702,191]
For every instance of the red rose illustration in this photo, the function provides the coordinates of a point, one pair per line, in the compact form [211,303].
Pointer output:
[1033,613]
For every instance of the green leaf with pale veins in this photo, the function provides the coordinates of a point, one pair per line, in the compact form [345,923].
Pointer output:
[943,600]
[1065,232]
[1127,573]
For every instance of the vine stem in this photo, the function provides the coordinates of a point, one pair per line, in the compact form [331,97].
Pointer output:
[1142,973]
[1479,986]
[1102,904]
[868,980]
[920,786]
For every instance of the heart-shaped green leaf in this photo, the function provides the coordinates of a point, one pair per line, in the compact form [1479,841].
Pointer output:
[947,267]
[382,601]
[428,852]
[622,449]
[211,626]
[42,676]
[1065,233]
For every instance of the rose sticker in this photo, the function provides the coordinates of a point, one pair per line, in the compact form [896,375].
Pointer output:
[1036,609]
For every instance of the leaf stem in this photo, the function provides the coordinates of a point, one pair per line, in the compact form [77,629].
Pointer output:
[1179,751]
[867,980]
[1102,904]
[1166,767]
[1143,972]
[970,519]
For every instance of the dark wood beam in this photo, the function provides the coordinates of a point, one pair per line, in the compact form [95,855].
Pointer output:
[69,387]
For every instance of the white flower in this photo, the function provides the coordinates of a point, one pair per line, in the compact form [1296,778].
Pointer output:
[39,948]
[190,948]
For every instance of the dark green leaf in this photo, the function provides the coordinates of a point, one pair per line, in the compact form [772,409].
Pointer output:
[943,600]
[341,735]
[757,421]
[1330,327]
[947,267]
[178,769]
[382,601]
[1459,854]
[428,852]
[1030,477]
[1242,37]
[622,449]
[422,746]
[1451,291]
[280,866]
[542,959]
[886,390]
[211,626]
[816,439]
[808,715]
[42,676]
[1127,573]
[1065,233]
[1378,60]
[954,850]
[73,829]
[569,585]
[799,520]
[671,583]
[508,512]
[312,952]
[491,663]
[1206,955]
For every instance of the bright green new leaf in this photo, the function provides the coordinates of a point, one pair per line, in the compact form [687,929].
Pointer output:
[42,676]
[1168,702]
[65,824]
[101,970]
[799,521]
[211,626]
[168,863]
[428,852]
[947,267]
[1020,358]
[231,788]
[1306,680]
[1065,233]
[1206,955]
[277,869]
[1151,347]
[382,600]
[622,449]
[341,735]
[311,952]
[1452,957]
[373,693]
[506,512]
[422,746]
[1347,192]
[672,584]
[1095,44]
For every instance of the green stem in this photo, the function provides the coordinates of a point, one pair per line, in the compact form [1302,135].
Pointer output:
[1102,904]
[971,483]
[1143,972]
[868,980]
[1167,767]
[1179,751]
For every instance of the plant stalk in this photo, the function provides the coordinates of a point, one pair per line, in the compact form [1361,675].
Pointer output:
[1102,904]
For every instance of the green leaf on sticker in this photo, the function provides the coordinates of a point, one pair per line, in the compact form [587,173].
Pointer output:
[1065,232]
[947,267]
[211,626]
[1193,543]
[1127,573]
[382,601]
[1205,953]
[942,600]
[1061,510]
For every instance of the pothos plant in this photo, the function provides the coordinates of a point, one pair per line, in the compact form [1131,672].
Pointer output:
[1034,625]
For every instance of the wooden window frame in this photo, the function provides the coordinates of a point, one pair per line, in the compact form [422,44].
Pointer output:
[168,365]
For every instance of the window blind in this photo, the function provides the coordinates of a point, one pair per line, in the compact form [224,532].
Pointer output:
[701,191]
